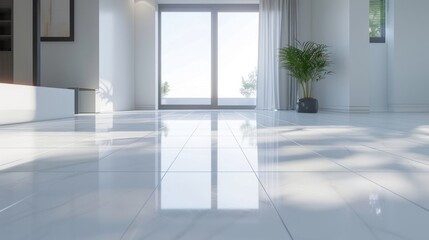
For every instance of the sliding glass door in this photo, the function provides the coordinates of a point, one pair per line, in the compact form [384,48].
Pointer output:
[208,56]
[186,58]
[238,58]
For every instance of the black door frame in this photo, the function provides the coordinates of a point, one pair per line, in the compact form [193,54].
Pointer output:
[36,42]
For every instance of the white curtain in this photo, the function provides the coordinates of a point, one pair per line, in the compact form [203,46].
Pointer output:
[277,28]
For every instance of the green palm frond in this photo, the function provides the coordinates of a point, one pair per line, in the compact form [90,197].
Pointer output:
[308,62]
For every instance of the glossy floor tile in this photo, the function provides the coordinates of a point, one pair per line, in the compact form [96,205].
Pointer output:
[343,206]
[208,206]
[197,175]
[72,206]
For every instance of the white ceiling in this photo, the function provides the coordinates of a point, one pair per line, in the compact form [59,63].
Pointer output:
[207,1]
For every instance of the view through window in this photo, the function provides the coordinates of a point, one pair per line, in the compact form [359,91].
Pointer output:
[209,56]
[377,21]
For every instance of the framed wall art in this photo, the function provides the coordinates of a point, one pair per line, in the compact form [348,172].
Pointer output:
[57,20]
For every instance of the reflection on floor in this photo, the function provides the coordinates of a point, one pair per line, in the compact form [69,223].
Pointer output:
[216,175]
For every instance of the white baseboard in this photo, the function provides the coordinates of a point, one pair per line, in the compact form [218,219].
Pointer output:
[346,109]
[409,108]
[379,111]
[359,109]
[146,107]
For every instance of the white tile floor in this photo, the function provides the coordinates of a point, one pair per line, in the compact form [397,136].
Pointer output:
[197,175]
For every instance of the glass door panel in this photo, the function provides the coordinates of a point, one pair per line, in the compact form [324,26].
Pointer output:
[185,58]
[238,34]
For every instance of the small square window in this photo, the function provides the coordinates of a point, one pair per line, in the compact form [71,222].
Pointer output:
[377,21]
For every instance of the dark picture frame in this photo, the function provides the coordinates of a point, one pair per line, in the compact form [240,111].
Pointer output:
[50,16]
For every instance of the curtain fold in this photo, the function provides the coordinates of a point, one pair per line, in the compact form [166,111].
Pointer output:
[278,27]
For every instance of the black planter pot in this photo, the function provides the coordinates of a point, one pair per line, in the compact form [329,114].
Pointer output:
[308,105]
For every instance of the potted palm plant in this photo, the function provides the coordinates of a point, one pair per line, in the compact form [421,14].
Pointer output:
[308,62]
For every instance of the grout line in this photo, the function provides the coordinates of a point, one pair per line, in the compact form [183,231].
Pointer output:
[261,184]
[362,176]
[16,203]
[71,145]
[397,155]
[75,173]
[203,171]
[359,144]
[127,230]
[350,170]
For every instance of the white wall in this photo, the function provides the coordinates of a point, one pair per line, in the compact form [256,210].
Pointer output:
[305,18]
[390,42]
[378,77]
[407,56]
[20,103]
[330,25]
[343,26]
[146,49]
[74,64]
[117,82]
[358,65]
[23,42]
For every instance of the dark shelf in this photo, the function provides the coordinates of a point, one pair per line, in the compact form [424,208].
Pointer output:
[5,29]
[6,42]
[6,14]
